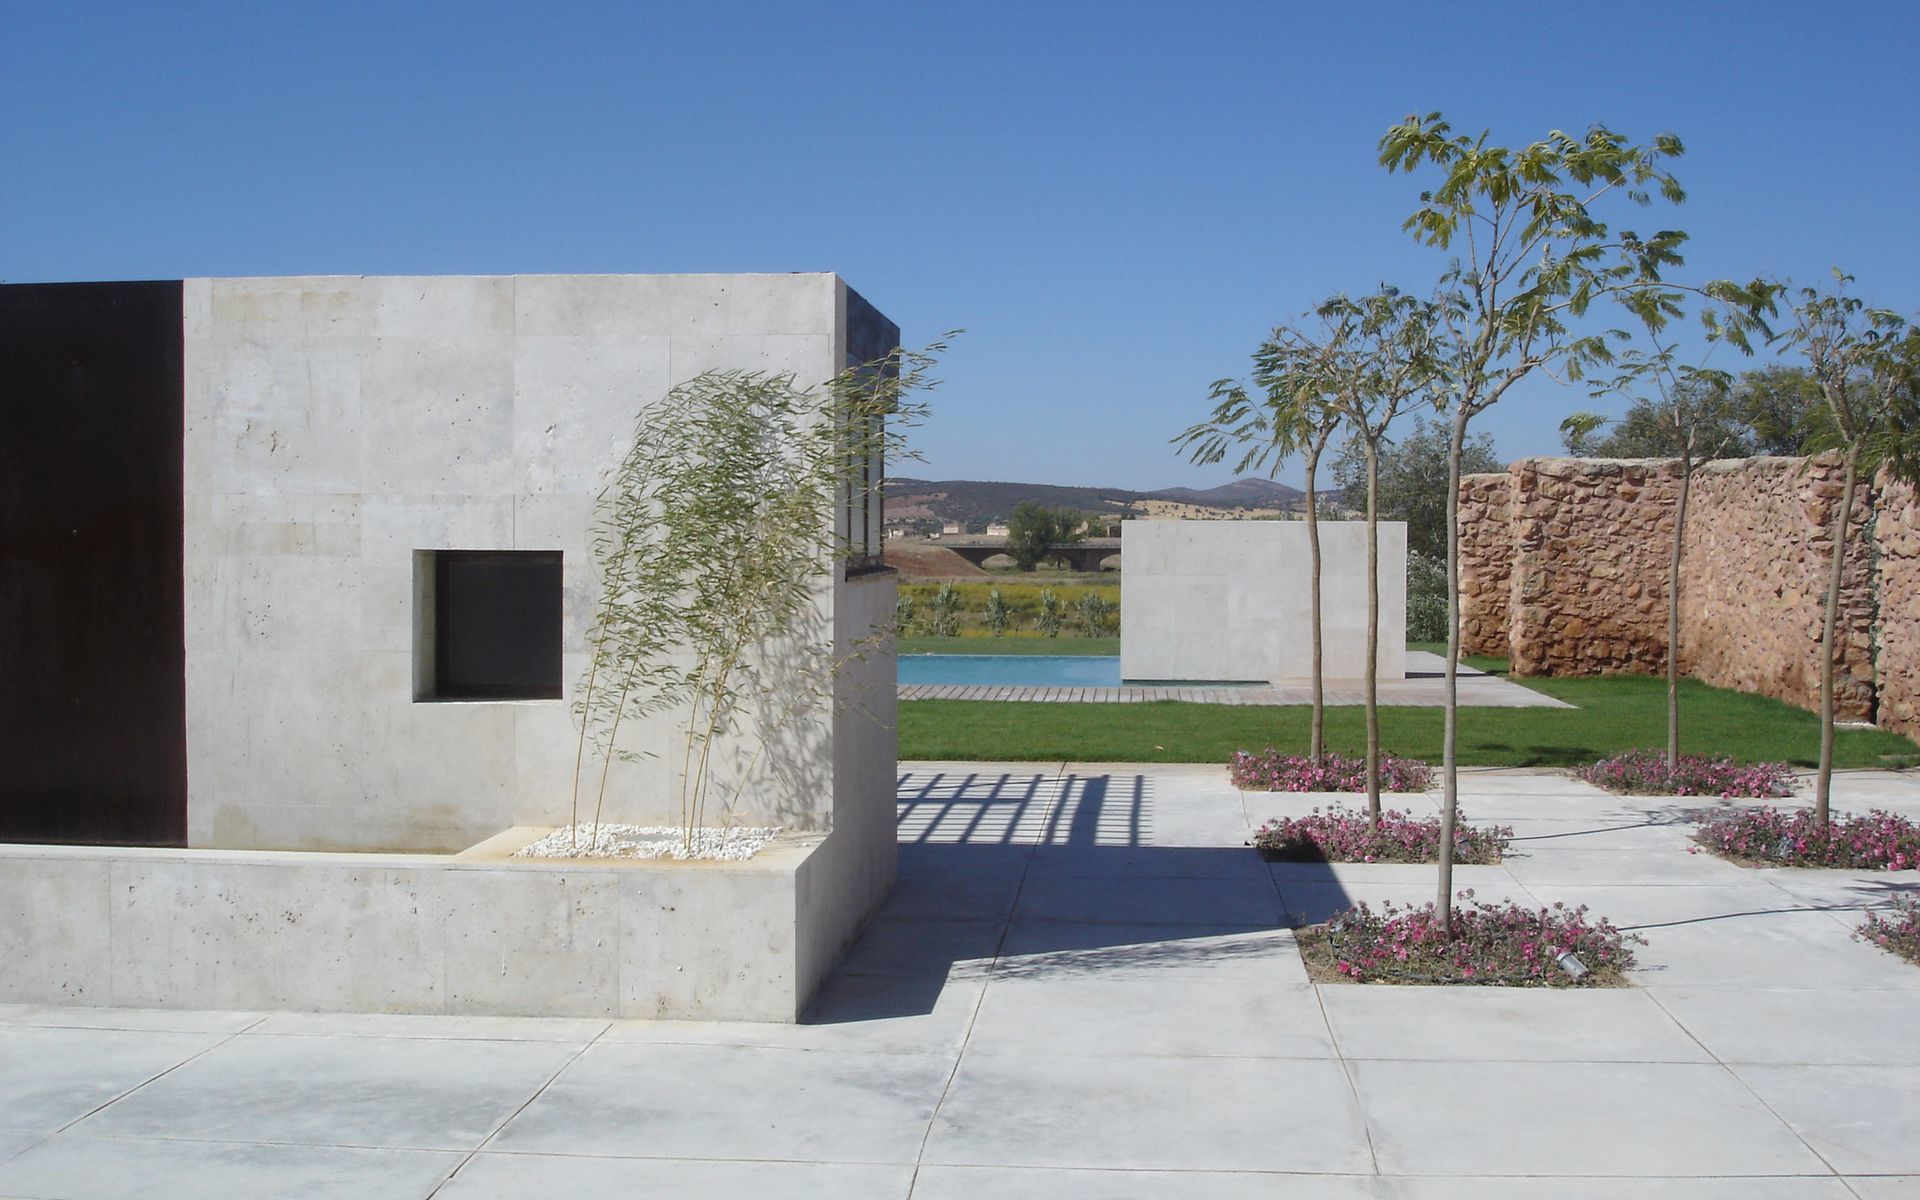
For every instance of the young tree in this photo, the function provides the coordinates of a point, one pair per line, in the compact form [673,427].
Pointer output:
[1292,416]
[1531,256]
[1376,358]
[1776,403]
[1866,363]
[1693,419]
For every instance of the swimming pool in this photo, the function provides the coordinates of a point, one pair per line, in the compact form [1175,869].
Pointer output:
[1011,670]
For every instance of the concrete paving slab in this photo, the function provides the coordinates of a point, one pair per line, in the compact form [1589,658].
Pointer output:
[1662,867]
[724,1102]
[576,1031]
[544,1176]
[1048,1183]
[76,1166]
[1562,1118]
[1218,1017]
[1862,1120]
[1233,902]
[50,1076]
[171,1020]
[1070,950]
[1884,1187]
[400,1093]
[1206,1114]
[952,896]
[1443,1024]
[1848,893]
[12,1144]
[1233,860]
[857,1014]
[894,946]
[1807,1187]
[1791,949]
[1540,835]
[1823,1026]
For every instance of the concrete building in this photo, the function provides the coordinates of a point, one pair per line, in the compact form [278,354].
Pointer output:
[244,514]
[1231,601]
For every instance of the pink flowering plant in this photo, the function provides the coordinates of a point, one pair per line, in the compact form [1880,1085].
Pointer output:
[1645,773]
[1878,841]
[1271,771]
[1896,931]
[1499,945]
[1343,835]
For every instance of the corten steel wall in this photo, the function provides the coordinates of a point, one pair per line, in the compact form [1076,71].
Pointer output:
[1486,541]
[92,710]
[1585,566]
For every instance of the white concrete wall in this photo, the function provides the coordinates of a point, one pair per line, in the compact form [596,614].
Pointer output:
[334,427]
[1231,600]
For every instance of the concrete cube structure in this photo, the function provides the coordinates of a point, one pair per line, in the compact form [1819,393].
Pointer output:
[334,440]
[1231,601]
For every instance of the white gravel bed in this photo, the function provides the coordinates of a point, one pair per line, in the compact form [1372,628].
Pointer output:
[649,841]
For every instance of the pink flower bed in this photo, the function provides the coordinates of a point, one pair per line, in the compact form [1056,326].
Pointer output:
[1878,841]
[1343,835]
[1271,771]
[1645,773]
[1896,931]
[1501,944]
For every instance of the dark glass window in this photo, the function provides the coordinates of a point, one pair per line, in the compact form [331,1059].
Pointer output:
[496,625]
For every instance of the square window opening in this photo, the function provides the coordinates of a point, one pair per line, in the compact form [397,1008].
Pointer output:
[487,624]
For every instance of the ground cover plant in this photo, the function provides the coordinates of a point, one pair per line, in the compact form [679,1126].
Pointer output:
[973,614]
[1896,931]
[1876,841]
[1270,770]
[1497,945]
[1612,714]
[1648,773]
[1348,835]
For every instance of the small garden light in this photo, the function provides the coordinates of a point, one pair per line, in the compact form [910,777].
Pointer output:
[1571,964]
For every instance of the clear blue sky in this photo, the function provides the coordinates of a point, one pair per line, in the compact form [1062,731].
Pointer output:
[1115,200]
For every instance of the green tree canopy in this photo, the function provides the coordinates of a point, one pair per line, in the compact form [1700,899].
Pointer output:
[1034,529]
[1778,404]
[1651,427]
[1413,479]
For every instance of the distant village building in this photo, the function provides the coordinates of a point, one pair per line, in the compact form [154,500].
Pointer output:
[998,529]
[953,527]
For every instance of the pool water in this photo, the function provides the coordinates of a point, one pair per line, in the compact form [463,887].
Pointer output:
[1011,670]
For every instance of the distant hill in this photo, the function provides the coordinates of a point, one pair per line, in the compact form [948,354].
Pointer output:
[974,502]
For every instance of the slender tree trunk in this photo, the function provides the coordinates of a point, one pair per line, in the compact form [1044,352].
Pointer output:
[1316,741]
[1822,796]
[1450,736]
[1373,634]
[1673,615]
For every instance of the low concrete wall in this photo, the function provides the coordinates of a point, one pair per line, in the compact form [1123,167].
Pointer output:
[475,933]
[1232,600]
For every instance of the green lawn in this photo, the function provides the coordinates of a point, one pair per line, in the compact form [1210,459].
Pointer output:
[1615,713]
[1011,644]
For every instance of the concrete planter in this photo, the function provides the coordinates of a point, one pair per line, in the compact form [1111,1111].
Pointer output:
[475,932]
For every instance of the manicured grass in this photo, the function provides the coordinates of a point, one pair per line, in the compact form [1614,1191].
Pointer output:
[1023,643]
[1615,713]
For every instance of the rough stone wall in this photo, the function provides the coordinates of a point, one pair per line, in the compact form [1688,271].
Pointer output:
[1898,532]
[1754,595]
[1591,543]
[1486,562]
[1585,560]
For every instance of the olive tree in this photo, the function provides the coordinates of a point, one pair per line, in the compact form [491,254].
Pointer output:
[1866,363]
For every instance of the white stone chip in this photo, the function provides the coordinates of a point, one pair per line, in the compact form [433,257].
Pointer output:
[649,841]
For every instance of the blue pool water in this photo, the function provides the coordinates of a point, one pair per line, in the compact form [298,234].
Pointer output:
[1011,670]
